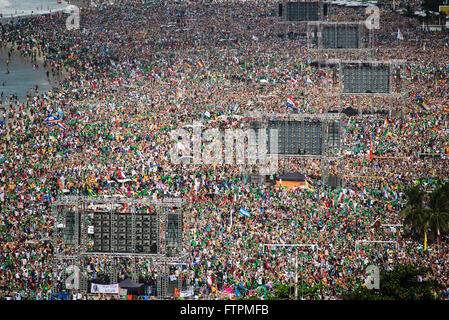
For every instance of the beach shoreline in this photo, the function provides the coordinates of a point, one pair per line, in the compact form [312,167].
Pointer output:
[39,57]
[54,80]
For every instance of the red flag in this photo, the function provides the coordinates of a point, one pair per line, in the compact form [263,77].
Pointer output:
[119,173]
[370,150]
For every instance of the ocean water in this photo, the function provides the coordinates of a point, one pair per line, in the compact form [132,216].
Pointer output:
[27,7]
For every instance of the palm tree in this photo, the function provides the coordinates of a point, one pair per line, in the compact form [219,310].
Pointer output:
[434,215]
[438,217]
[415,195]
[414,214]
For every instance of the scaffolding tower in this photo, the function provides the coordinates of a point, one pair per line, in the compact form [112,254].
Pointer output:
[316,38]
[283,22]
[395,67]
[76,251]
[326,119]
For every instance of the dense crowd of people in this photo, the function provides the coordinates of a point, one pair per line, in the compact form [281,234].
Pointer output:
[137,70]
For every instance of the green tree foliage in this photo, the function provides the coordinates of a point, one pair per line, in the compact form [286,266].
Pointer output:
[433,214]
[286,292]
[432,5]
[249,298]
[401,283]
[438,215]
[282,292]
[414,213]
[409,12]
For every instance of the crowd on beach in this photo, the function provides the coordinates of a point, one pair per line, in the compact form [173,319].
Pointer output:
[137,70]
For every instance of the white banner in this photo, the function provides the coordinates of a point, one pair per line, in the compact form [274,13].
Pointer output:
[104,288]
[186,293]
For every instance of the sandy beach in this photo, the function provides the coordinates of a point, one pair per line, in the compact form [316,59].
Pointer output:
[54,80]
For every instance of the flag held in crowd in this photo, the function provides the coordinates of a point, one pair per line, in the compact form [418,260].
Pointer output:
[237,292]
[149,207]
[244,213]
[120,174]
[400,37]
[420,101]
[425,241]
[50,120]
[61,125]
[291,103]
[309,80]
[91,192]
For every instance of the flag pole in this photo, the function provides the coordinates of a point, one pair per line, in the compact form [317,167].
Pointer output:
[439,240]
[296,276]
[231,219]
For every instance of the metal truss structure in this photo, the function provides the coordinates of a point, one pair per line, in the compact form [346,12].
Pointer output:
[283,18]
[76,252]
[315,38]
[325,118]
[395,66]
[390,63]
[284,23]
